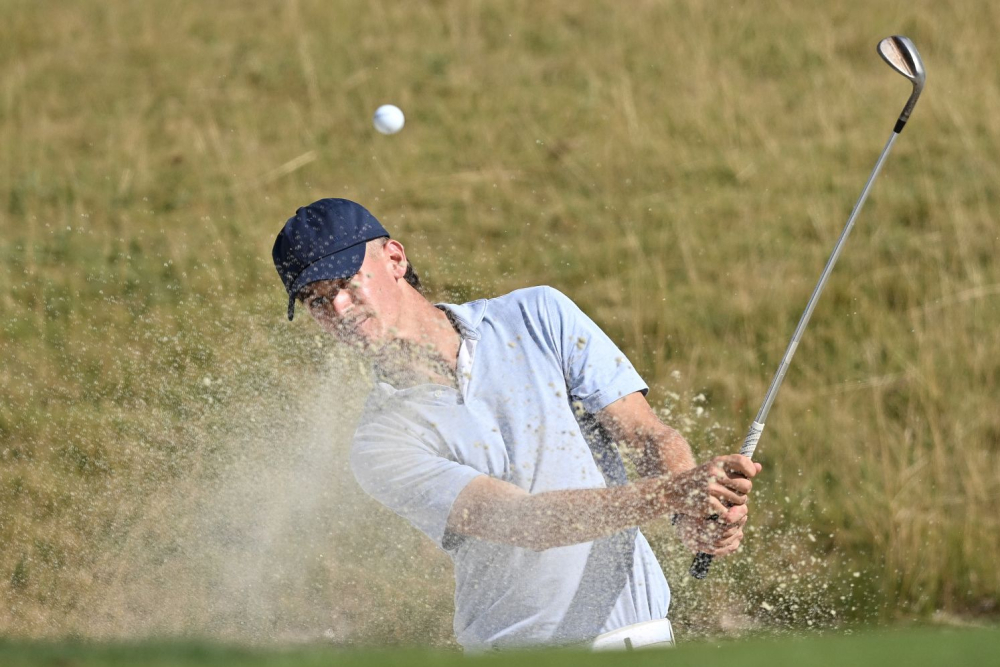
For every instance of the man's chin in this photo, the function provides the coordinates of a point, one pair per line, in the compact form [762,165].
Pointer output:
[353,340]
[359,340]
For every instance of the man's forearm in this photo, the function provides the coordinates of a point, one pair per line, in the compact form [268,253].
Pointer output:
[656,448]
[560,518]
[663,451]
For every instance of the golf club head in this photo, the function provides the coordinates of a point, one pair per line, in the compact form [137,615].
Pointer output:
[903,57]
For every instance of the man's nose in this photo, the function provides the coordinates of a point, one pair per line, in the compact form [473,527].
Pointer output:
[343,302]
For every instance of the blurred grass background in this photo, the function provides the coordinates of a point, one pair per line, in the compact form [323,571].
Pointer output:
[679,168]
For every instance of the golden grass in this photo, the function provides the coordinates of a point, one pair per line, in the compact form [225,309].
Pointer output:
[681,169]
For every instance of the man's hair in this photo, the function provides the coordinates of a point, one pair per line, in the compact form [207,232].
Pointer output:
[410,276]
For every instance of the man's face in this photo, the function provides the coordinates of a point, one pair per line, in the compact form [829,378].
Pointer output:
[363,309]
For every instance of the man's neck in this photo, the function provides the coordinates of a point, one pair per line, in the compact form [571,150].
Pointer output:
[425,352]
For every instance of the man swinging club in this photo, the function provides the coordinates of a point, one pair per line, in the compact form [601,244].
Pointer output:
[494,427]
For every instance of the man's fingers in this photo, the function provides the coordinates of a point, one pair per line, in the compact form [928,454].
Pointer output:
[727,540]
[737,464]
[735,514]
[740,485]
[723,508]
[721,546]
[727,549]
[733,528]
[727,545]
[715,529]
[716,508]
[726,482]
[727,496]
[710,536]
[699,534]
[725,514]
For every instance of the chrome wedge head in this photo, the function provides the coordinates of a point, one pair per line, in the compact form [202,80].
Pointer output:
[903,57]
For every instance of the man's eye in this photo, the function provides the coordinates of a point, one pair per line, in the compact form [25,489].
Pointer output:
[317,302]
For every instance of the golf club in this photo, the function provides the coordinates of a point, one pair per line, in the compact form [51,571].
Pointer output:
[902,56]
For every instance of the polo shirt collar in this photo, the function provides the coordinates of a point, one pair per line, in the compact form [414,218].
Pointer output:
[468,316]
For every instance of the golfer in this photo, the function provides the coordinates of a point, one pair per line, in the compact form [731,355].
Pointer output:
[496,427]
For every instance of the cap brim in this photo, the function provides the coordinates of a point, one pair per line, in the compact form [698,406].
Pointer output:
[343,264]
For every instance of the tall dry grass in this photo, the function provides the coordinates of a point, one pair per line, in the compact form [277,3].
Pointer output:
[681,169]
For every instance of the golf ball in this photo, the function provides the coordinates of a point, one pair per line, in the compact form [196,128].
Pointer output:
[388,119]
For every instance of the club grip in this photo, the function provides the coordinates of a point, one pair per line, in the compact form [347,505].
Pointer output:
[703,561]
[700,565]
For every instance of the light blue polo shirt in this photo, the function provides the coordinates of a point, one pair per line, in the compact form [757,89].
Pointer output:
[533,369]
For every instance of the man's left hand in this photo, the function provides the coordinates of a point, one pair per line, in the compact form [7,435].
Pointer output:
[711,536]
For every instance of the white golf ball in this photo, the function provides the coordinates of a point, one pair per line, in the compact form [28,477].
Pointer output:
[388,119]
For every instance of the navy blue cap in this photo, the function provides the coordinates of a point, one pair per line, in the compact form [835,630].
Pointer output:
[323,241]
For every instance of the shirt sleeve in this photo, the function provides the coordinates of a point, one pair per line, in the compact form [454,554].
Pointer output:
[400,466]
[597,372]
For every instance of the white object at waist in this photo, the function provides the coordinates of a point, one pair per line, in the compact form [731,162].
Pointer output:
[648,634]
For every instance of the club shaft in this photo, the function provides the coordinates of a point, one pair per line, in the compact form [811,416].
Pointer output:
[793,344]
[702,561]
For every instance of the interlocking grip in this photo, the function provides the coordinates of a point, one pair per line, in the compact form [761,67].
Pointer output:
[703,561]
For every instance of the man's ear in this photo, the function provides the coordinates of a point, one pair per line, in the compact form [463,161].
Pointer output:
[394,251]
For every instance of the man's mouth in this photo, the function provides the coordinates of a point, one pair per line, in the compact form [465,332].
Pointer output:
[351,328]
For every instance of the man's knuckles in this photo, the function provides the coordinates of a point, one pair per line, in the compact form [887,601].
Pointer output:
[734,514]
[737,464]
[738,484]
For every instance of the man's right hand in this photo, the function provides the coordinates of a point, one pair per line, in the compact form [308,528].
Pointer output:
[719,488]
